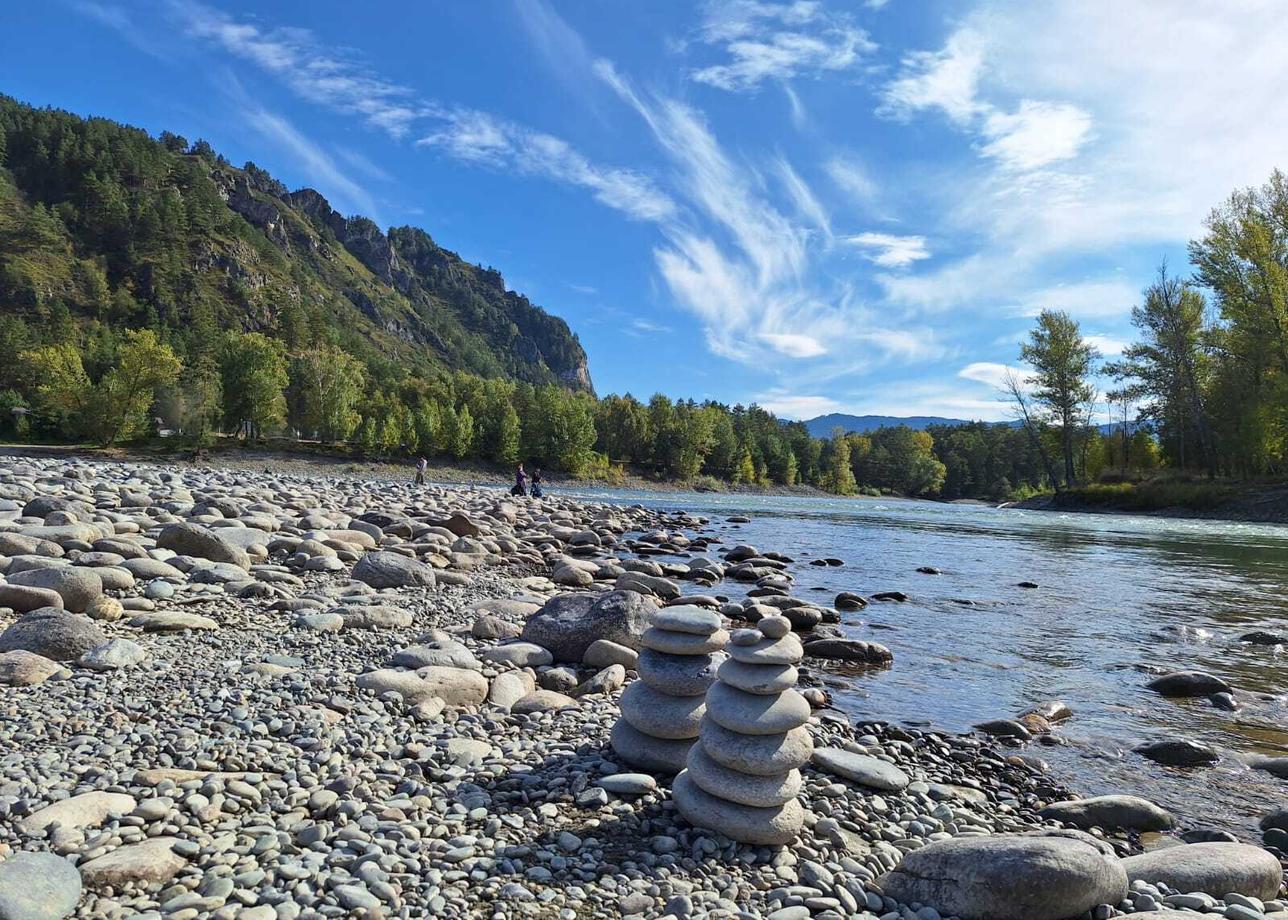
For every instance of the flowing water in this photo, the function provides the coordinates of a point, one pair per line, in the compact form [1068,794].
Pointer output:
[1117,597]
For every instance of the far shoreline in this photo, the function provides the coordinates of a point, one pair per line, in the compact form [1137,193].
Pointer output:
[1252,505]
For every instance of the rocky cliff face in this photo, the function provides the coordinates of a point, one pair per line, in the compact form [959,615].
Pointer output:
[437,283]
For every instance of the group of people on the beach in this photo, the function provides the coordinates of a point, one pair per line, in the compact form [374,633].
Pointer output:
[523,483]
[526,485]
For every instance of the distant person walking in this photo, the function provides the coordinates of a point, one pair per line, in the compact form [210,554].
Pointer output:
[536,484]
[520,481]
[421,465]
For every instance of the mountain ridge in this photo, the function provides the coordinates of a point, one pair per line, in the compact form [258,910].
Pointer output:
[823,425]
[111,224]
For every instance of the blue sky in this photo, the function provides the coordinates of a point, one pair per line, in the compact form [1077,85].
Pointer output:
[819,206]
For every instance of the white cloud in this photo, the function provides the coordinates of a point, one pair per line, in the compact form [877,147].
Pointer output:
[988,372]
[478,137]
[793,406]
[1104,299]
[1109,346]
[946,80]
[1160,160]
[777,41]
[889,250]
[1039,134]
[794,345]
[950,398]
[315,73]
[756,278]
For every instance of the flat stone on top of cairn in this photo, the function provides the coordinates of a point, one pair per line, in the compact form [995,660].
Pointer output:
[662,711]
[743,775]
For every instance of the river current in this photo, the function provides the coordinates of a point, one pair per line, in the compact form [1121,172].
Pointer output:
[1118,597]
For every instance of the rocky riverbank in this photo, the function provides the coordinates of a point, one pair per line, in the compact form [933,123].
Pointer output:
[258,695]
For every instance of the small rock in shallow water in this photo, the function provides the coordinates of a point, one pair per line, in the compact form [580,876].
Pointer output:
[1179,753]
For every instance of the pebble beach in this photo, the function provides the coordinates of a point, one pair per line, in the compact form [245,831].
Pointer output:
[249,694]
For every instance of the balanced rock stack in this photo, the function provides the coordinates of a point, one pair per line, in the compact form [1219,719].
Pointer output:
[743,775]
[662,711]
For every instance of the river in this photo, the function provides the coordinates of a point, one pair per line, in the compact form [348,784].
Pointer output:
[1117,596]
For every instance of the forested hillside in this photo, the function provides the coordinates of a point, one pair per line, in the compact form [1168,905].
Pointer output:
[104,228]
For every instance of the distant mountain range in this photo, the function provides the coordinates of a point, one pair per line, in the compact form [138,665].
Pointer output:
[823,426]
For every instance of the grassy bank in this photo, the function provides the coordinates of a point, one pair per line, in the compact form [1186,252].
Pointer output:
[1173,496]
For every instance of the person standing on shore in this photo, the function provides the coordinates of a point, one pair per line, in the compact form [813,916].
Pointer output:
[421,465]
[536,484]
[520,481]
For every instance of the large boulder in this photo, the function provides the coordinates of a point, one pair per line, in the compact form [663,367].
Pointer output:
[53,633]
[1046,875]
[1111,812]
[195,540]
[569,623]
[76,585]
[1214,868]
[392,570]
[38,886]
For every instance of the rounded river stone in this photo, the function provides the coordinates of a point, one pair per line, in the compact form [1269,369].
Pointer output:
[762,679]
[657,755]
[743,788]
[661,715]
[759,755]
[750,714]
[786,650]
[743,823]
[678,643]
[678,675]
[687,619]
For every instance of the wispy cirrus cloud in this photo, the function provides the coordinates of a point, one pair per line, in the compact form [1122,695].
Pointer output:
[119,20]
[640,328]
[777,41]
[344,83]
[754,267]
[316,73]
[346,195]
[485,139]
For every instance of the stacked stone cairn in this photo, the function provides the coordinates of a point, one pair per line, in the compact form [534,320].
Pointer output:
[662,711]
[743,776]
